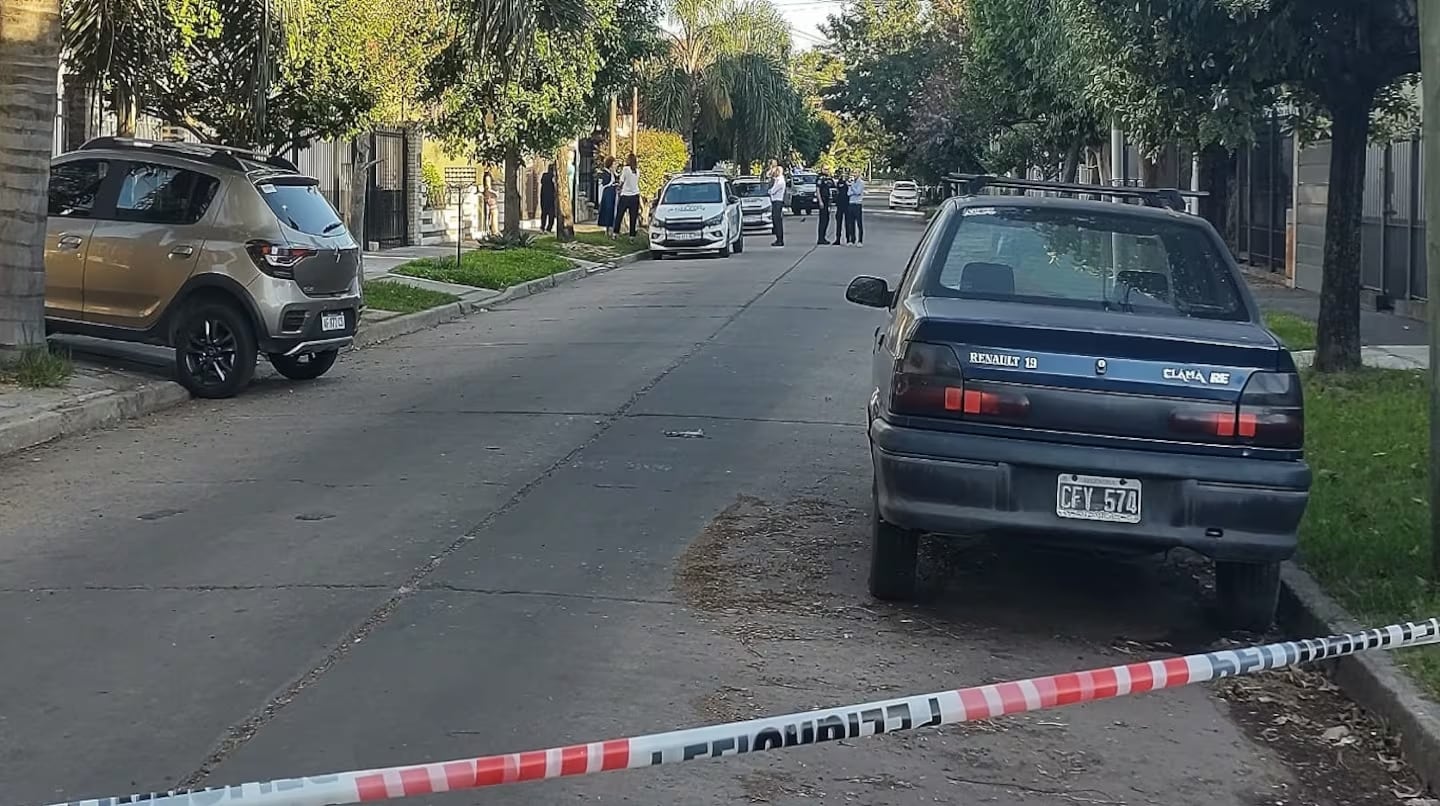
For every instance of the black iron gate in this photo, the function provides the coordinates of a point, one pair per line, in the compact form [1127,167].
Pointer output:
[386,204]
[1266,175]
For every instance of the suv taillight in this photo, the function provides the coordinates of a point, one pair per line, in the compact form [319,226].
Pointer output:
[1272,411]
[278,260]
[929,382]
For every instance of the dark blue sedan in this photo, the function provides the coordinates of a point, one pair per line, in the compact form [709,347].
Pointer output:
[1085,372]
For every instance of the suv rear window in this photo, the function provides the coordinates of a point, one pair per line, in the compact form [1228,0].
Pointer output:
[1066,257]
[691,193]
[302,207]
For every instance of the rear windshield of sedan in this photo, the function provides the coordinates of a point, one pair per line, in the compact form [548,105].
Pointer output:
[752,190]
[1110,262]
[691,193]
[905,186]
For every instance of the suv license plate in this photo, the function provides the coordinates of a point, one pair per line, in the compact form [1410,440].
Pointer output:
[1097,498]
[332,320]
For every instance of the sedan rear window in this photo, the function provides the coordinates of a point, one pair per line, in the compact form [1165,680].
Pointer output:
[1111,262]
[302,208]
[691,193]
[752,190]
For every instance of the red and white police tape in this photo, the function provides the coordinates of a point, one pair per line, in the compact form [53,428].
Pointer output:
[771,733]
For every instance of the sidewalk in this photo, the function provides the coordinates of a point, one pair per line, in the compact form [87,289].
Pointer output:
[1375,328]
[1395,356]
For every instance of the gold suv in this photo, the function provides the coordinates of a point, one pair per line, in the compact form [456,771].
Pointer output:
[219,253]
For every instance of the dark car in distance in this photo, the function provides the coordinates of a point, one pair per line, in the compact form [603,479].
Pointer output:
[1085,373]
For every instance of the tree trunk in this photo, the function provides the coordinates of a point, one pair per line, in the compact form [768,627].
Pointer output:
[359,189]
[1217,181]
[512,190]
[564,222]
[1337,334]
[1070,171]
[30,63]
[75,107]
[125,112]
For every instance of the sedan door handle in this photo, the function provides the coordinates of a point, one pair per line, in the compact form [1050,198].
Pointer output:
[70,241]
[182,251]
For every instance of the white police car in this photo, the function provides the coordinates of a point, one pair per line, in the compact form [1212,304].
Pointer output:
[696,212]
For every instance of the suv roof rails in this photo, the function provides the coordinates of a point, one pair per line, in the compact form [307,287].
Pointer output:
[1171,198]
[220,156]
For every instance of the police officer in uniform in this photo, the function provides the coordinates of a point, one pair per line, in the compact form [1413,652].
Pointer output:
[825,189]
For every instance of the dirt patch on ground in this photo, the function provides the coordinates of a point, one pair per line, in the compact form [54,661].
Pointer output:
[786,582]
[1340,754]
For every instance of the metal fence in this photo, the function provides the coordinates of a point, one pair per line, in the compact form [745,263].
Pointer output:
[1265,176]
[1393,224]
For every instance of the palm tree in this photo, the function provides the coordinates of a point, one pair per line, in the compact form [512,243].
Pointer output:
[119,46]
[723,79]
[30,63]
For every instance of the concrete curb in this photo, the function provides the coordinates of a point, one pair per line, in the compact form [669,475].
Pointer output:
[1371,679]
[88,412]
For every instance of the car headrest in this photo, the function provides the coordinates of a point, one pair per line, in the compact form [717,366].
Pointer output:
[987,278]
[1152,283]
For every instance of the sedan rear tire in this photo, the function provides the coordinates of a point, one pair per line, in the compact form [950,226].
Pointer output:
[894,556]
[1248,594]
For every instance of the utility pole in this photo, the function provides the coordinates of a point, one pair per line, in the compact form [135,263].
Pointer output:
[613,117]
[1430,109]
[635,120]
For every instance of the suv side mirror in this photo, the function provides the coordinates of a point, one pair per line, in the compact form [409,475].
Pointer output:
[872,292]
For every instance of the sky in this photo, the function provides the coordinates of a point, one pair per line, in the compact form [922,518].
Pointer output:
[805,16]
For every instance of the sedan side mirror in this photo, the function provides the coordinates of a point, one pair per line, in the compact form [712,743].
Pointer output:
[872,292]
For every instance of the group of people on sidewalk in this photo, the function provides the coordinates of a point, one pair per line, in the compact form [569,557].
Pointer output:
[841,197]
[619,195]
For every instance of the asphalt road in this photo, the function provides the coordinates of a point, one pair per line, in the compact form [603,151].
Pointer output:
[625,505]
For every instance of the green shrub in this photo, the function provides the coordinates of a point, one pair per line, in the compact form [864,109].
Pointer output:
[434,180]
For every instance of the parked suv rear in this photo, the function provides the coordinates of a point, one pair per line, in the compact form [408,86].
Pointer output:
[219,253]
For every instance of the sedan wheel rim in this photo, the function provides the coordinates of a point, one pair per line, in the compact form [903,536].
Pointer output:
[210,352]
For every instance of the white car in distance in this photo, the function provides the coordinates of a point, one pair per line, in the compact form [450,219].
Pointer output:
[905,196]
[754,193]
[696,212]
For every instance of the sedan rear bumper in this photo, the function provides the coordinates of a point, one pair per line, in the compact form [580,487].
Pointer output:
[1227,508]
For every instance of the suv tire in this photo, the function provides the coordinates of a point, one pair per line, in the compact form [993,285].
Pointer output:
[740,242]
[305,366]
[894,555]
[214,349]
[1248,594]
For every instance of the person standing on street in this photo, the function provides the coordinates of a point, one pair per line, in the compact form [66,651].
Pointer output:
[855,211]
[547,199]
[842,207]
[777,202]
[629,195]
[608,185]
[825,190]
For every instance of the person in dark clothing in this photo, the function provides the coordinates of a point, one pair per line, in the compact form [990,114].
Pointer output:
[825,191]
[842,207]
[547,199]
